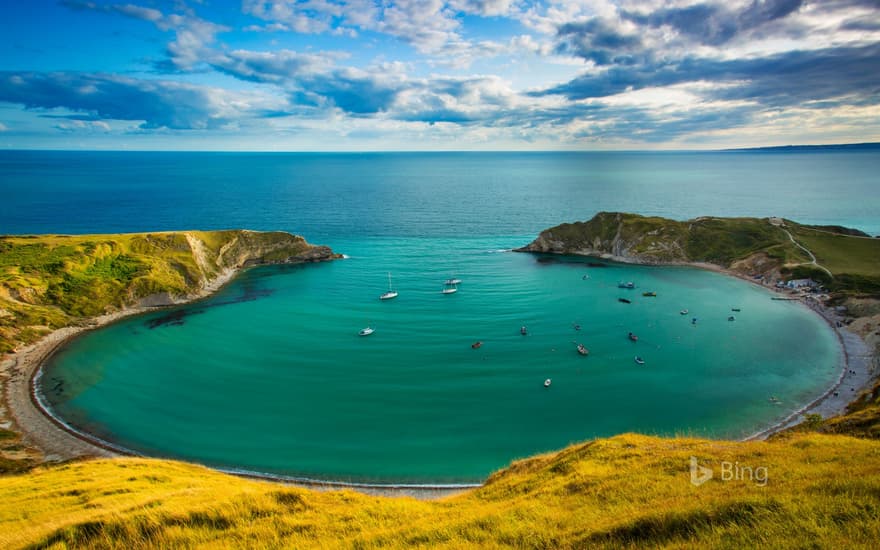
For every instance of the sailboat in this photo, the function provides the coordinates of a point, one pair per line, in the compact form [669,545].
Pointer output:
[391,293]
[449,290]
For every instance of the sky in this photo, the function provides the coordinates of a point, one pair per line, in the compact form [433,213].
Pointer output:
[380,75]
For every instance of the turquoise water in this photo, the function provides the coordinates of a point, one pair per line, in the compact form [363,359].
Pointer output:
[270,375]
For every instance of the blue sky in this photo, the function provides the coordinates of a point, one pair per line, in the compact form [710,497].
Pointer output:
[317,75]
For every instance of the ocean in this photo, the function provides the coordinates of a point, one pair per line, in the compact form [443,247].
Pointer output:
[270,375]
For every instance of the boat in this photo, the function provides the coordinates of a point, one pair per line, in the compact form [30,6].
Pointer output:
[452,281]
[583,350]
[391,292]
[577,326]
[476,345]
[683,312]
[624,300]
[366,331]
[523,331]
[639,360]
[650,294]
[731,318]
[633,337]
[547,383]
[629,284]
[449,290]
[694,321]
[736,309]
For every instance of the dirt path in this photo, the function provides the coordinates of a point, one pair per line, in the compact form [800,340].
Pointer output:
[809,253]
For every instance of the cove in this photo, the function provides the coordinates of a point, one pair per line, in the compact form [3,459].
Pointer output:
[269,374]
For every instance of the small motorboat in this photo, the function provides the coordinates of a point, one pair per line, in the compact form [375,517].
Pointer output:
[736,309]
[577,326]
[683,312]
[547,383]
[624,300]
[452,281]
[639,360]
[583,350]
[650,294]
[694,321]
[476,345]
[449,290]
[731,318]
[775,400]
[633,337]
[523,331]
[366,331]
[626,285]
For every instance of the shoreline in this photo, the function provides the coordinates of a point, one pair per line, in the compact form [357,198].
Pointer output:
[58,441]
[855,364]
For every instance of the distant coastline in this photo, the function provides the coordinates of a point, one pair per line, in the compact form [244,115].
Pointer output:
[867,146]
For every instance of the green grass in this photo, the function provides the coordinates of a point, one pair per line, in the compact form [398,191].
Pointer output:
[854,260]
[842,253]
[49,281]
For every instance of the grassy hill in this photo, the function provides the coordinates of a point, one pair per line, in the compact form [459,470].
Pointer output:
[51,281]
[748,245]
[628,491]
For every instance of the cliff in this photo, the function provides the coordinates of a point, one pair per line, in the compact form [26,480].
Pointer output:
[51,281]
[845,260]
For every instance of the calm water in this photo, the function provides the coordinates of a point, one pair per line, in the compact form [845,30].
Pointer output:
[270,375]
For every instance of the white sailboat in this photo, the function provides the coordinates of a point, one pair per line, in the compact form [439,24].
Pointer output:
[391,292]
[449,289]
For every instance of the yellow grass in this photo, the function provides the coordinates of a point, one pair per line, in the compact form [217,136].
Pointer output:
[627,491]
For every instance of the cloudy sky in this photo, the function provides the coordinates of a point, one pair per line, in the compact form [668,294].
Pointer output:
[309,75]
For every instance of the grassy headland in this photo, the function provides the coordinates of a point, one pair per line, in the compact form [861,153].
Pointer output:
[51,281]
[746,245]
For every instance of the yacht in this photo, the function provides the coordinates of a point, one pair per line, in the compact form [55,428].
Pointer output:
[391,292]
[366,331]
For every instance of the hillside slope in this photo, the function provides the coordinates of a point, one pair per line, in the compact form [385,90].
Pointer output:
[846,260]
[626,491]
[51,281]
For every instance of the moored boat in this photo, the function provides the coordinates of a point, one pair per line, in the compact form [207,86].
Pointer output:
[547,383]
[650,294]
[624,300]
[366,331]
[582,349]
[633,337]
[639,360]
[391,292]
[476,345]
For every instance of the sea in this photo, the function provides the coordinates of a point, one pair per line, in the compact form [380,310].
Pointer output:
[270,374]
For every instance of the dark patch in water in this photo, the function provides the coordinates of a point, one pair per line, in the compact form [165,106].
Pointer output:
[173,318]
[177,317]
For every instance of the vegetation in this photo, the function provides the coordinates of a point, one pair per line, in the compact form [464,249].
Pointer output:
[861,420]
[750,245]
[51,281]
[629,491]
